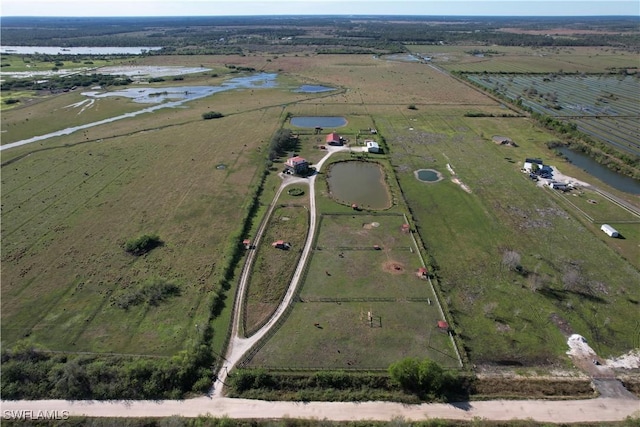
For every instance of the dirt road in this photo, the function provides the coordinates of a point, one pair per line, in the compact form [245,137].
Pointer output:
[595,410]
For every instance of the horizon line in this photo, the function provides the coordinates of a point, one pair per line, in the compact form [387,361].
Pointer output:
[323,14]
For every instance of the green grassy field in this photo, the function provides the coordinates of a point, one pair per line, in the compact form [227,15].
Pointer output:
[70,203]
[507,59]
[67,212]
[346,279]
[273,268]
[505,316]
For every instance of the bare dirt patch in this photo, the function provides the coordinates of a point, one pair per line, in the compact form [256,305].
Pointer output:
[393,267]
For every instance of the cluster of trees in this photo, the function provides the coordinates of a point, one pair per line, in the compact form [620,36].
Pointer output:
[65,83]
[409,380]
[185,35]
[425,378]
[31,374]
[143,244]
[281,142]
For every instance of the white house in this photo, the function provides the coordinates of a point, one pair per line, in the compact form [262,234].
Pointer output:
[528,164]
[611,232]
[372,146]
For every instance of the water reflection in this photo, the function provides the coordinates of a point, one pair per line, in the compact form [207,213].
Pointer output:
[604,174]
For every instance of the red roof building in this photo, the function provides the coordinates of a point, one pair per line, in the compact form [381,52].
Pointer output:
[334,139]
[442,324]
[422,272]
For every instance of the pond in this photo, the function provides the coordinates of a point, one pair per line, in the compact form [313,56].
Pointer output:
[361,183]
[318,121]
[604,174]
[313,89]
[174,97]
[428,175]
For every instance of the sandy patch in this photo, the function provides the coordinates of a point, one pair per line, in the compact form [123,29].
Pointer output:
[630,360]
[393,267]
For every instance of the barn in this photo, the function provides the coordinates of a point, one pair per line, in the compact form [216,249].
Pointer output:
[333,139]
[609,230]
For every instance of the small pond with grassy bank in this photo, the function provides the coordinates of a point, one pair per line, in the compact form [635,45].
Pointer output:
[360,183]
[428,175]
[318,121]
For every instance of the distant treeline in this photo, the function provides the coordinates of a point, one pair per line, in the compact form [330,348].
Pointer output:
[222,35]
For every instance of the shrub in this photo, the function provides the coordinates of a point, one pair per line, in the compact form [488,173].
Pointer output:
[412,107]
[212,115]
[152,292]
[142,244]
[424,378]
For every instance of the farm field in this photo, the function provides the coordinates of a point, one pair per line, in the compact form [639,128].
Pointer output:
[329,326]
[70,203]
[503,316]
[605,107]
[67,212]
[509,59]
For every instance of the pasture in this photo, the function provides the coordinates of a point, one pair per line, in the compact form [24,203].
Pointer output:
[571,281]
[71,202]
[345,281]
[508,59]
[69,206]
[273,268]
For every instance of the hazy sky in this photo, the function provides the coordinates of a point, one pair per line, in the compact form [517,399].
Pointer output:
[329,7]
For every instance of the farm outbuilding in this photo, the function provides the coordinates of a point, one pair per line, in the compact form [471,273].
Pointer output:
[443,325]
[528,164]
[333,139]
[609,230]
[422,273]
[372,146]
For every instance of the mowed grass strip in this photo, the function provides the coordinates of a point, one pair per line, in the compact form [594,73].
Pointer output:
[67,213]
[274,267]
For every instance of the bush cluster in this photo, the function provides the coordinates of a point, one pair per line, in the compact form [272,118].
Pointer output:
[143,244]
